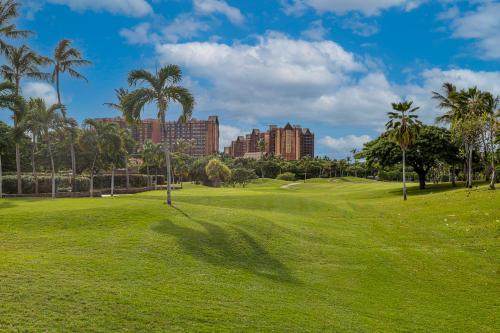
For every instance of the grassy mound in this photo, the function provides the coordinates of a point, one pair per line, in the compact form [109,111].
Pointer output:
[321,256]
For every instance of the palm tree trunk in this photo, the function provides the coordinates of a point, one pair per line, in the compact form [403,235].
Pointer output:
[18,170]
[52,166]
[127,176]
[169,165]
[91,189]
[113,180]
[33,164]
[1,178]
[470,169]
[404,175]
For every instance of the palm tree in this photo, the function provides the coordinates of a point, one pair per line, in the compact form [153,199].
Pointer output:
[48,120]
[492,126]
[21,62]
[129,143]
[66,59]
[261,144]
[464,109]
[7,100]
[160,88]
[403,127]
[9,11]
[34,125]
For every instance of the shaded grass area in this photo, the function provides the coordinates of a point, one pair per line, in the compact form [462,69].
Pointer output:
[343,255]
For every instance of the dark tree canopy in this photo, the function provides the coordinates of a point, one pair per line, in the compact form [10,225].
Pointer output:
[433,144]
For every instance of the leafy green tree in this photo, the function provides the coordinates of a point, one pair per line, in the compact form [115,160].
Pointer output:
[403,128]
[65,60]
[160,88]
[433,144]
[242,176]
[305,163]
[21,62]
[491,131]
[217,172]
[7,100]
[9,11]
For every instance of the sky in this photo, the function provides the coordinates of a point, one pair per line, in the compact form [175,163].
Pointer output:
[334,66]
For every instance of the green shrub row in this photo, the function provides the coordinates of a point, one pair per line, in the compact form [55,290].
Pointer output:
[63,183]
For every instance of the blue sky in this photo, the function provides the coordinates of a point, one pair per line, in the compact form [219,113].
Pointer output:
[331,65]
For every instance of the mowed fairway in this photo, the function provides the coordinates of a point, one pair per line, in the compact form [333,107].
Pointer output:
[340,256]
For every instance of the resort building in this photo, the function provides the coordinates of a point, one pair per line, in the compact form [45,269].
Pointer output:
[201,136]
[290,143]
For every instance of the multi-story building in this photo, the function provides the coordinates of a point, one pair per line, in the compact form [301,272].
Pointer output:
[289,142]
[201,136]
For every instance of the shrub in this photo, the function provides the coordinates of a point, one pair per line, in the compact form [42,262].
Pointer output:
[288,176]
[217,172]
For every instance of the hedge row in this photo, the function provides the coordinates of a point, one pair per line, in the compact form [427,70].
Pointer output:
[63,183]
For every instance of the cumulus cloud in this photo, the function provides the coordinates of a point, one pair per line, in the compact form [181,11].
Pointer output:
[482,25]
[134,8]
[209,7]
[139,34]
[316,31]
[344,145]
[40,90]
[227,134]
[366,7]
[315,81]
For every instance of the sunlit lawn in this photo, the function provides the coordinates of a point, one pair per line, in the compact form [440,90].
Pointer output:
[345,255]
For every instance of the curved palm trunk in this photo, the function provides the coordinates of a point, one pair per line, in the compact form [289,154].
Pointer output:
[18,170]
[33,163]
[168,162]
[127,176]
[52,166]
[404,175]
[113,180]
[71,143]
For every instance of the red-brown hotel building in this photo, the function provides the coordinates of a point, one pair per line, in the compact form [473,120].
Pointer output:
[290,142]
[202,134]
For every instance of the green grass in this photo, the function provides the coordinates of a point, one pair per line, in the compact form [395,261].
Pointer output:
[340,256]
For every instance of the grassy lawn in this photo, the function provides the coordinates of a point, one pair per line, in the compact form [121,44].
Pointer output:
[340,256]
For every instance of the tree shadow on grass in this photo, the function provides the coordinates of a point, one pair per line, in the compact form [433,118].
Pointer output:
[6,204]
[232,248]
[414,190]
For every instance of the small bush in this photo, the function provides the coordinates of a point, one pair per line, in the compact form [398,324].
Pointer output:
[287,176]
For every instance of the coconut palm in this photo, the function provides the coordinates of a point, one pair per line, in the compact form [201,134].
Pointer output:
[48,120]
[160,88]
[403,127]
[9,11]
[7,100]
[261,144]
[492,127]
[463,112]
[21,62]
[65,60]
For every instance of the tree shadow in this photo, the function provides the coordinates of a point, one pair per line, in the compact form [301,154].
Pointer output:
[6,204]
[233,248]
[414,190]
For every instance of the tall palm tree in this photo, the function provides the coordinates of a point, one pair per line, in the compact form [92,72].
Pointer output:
[464,110]
[21,62]
[403,127]
[34,125]
[9,11]
[7,100]
[160,88]
[48,120]
[66,60]
[261,144]
[492,128]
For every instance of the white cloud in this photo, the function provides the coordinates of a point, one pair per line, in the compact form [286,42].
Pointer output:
[344,144]
[228,134]
[137,35]
[316,31]
[41,90]
[359,27]
[366,7]
[209,7]
[134,8]
[183,26]
[482,25]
